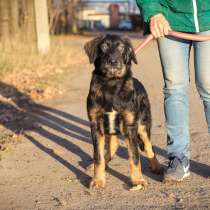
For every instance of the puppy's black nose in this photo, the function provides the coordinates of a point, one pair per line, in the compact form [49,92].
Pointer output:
[113,61]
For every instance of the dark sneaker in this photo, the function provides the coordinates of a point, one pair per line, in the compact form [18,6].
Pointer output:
[177,170]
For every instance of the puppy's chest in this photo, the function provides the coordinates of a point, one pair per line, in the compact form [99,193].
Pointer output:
[114,97]
[113,101]
[112,122]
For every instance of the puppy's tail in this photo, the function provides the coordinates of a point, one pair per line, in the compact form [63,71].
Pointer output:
[141,143]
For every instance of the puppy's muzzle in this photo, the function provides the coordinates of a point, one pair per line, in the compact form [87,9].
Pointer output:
[111,123]
[113,62]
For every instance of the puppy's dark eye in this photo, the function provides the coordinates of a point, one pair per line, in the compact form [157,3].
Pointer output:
[121,47]
[104,47]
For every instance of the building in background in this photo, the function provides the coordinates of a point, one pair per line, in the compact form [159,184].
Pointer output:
[90,18]
[93,15]
[114,13]
[108,14]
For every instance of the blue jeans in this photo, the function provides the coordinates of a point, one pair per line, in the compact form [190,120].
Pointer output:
[174,54]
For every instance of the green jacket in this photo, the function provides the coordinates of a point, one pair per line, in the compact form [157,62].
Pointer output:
[182,15]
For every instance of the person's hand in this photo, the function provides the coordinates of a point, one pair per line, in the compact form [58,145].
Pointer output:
[159,26]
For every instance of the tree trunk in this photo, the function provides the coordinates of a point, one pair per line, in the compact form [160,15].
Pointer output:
[14,19]
[73,11]
[4,21]
[74,27]
[42,26]
[29,32]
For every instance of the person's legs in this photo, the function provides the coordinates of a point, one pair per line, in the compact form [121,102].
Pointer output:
[202,73]
[174,54]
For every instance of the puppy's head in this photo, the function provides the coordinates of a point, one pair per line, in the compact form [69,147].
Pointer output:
[111,55]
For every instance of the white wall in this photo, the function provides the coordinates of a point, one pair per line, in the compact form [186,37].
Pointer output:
[92,15]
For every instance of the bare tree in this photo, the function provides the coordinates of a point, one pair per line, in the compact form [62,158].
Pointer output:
[16,15]
[30,30]
[63,16]
[26,20]
[42,26]
[4,20]
[14,18]
[73,6]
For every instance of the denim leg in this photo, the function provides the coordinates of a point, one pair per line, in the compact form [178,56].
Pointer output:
[202,73]
[174,55]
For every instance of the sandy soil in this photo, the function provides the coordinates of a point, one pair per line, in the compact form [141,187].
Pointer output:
[47,169]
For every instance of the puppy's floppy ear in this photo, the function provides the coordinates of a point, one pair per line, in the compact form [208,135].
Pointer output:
[129,53]
[91,48]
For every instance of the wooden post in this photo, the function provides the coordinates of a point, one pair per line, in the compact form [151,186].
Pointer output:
[42,27]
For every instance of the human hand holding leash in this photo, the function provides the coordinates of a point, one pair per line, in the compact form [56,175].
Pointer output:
[181,35]
[159,26]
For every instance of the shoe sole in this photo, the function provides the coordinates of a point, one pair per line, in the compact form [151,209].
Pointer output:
[169,180]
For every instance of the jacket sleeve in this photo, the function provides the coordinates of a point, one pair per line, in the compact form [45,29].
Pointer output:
[149,8]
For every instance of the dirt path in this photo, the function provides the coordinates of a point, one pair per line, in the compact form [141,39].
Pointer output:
[47,169]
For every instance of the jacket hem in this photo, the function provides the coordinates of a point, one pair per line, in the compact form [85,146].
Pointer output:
[189,29]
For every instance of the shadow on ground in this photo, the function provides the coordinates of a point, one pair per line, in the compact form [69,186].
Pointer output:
[20,114]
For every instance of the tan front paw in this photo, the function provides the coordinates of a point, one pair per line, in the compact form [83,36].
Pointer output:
[139,182]
[97,183]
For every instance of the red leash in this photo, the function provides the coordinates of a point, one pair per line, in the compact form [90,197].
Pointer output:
[193,37]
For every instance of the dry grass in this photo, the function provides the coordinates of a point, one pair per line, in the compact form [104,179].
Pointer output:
[37,74]
[27,76]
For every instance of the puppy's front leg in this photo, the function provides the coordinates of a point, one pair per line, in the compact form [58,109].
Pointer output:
[144,134]
[135,165]
[99,161]
[113,144]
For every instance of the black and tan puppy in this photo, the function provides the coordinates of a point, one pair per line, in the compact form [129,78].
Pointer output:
[117,103]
